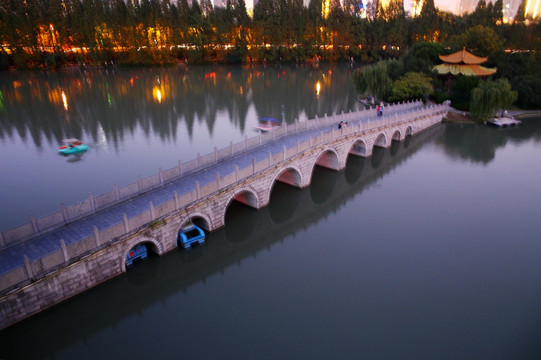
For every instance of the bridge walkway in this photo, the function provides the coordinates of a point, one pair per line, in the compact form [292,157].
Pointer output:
[13,257]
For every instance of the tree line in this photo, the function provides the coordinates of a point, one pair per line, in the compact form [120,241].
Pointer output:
[52,33]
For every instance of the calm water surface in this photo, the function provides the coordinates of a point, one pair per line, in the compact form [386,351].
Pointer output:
[139,120]
[427,250]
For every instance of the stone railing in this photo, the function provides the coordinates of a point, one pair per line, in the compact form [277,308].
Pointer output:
[93,204]
[33,269]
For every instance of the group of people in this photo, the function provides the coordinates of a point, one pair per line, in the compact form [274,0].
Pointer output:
[342,124]
[380,109]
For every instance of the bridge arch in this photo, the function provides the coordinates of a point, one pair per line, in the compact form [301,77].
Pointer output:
[328,158]
[358,148]
[409,130]
[396,136]
[199,219]
[381,141]
[153,245]
[246,196]
[290,175]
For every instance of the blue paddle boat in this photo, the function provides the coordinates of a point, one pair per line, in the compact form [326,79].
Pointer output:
[72,146]
[139,252]
[192,234]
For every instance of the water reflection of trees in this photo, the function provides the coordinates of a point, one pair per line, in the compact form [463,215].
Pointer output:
[118,101]
[479,143]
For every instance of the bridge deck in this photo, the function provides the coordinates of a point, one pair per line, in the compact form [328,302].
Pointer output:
[13,256]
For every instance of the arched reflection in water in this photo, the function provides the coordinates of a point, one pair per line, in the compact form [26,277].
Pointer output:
[322,184]
[378,154]
[240,221]
[354,168]
[395,145]
[284,201]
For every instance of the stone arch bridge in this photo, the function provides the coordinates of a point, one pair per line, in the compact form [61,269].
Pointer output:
[58,256]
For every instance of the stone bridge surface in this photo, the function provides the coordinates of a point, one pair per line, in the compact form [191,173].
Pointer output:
[54,260]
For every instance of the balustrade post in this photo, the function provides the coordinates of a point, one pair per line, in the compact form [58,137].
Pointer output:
[180,168]
[197,190]
[246,141]
[285,151]
[152,213]
[126,224]
[116,192]
[236,172]
[92,202]
[175,196]
[96,236]
[35,227]
[215,154]
[253,165]
[270,159]
[64,212]
[139,183]
[65,254]
[160,175]
[297,146]
[28,267]
[230,147]
[217,180]
[198,159]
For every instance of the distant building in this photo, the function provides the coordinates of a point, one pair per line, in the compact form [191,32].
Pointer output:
[510,8]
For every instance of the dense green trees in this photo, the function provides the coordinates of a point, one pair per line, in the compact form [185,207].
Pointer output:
[35,33]
[490,96]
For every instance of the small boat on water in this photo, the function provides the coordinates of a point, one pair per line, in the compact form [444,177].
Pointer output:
[504,122]
[72,146]
[189,235]
[139,252]
[267,124]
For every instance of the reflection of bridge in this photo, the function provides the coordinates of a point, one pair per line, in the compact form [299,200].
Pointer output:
[78,247]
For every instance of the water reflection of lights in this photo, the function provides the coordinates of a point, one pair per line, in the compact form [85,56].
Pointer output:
[64,100]
[102,139]
[318,88]
[157,94]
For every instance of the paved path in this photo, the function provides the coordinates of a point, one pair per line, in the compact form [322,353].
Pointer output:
[13,257]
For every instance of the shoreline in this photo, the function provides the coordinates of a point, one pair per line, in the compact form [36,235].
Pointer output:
[457,116]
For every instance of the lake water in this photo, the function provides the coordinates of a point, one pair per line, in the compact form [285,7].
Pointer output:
[428,249]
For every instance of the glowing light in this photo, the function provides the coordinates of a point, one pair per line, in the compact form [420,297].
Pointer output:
[532,8]
[318,88]
[158,95]
[64,100]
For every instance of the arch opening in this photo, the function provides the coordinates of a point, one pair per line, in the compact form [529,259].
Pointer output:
[192,232]
[290,177]
[396,136]
[381,141]
[140,252]
[409,131]
[328,160]
[358,148]
[247,198]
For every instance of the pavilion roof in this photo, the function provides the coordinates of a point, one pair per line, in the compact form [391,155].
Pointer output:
[464,69]
[463,57]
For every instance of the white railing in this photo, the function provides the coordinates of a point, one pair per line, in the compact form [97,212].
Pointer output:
[66,253]
[93,204]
